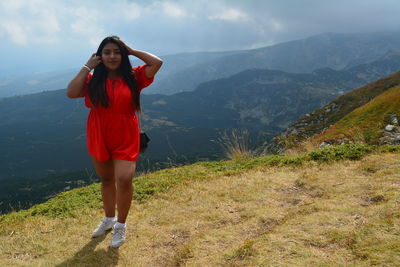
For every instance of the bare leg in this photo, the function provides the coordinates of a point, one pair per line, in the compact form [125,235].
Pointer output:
[108,190]
[124,171]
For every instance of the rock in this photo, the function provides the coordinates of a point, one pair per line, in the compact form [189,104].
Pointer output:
[393,118]
[324,144]
[391,135]
[389,127]
[335,141]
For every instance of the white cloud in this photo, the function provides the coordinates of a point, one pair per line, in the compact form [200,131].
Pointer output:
[86,24]
[48,22]
[276,26]
[14,31]
[12,5]
[32,82]
[173,10]
[32,22]
[130,11]
[231,14]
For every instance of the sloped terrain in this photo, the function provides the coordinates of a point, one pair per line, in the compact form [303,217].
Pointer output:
[316,122]
[270,211]
[366,123]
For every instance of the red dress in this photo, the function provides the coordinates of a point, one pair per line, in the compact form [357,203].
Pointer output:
[113,132]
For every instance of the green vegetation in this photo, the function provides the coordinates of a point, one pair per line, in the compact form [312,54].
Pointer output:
[353,152]
[18,193]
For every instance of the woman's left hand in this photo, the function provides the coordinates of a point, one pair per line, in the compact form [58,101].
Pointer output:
[153,63]
[127,47]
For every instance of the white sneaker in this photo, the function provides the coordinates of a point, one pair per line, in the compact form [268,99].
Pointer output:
[118,236]
[104,226]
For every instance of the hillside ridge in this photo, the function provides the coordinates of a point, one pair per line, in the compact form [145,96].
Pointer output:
[356,126]
[321,119]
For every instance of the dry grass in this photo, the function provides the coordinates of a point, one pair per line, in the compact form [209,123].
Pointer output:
[235,144]
[342,214]
[304,147]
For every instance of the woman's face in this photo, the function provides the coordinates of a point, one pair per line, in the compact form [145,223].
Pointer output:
[111,56]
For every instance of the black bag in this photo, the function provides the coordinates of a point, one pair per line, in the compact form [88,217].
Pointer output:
[144,139]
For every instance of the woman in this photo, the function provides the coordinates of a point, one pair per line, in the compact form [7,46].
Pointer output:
[112,93]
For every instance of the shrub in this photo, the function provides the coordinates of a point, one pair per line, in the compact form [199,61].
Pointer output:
[347,151]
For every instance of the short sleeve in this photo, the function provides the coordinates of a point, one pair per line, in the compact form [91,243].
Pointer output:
[85,85]
[140,75]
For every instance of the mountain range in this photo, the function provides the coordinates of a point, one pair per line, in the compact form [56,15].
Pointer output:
[264,101]
[331,50]
[186,71]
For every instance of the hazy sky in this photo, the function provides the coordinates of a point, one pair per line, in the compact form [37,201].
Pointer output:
[46,35]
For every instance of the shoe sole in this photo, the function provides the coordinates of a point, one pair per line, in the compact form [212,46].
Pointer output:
[108,230]
[111,246]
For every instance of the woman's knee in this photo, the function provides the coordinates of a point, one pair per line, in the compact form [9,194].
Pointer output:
[108,181]
[104,169]
[124,181]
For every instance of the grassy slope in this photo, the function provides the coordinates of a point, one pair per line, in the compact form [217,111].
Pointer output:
[275,210]
[357,124]
[347,103]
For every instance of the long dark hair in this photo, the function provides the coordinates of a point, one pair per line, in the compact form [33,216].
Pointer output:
[97,85]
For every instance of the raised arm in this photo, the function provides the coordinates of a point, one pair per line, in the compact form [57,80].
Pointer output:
[75,86]
[153,62]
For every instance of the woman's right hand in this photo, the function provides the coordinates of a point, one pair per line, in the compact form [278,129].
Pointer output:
[93,61]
